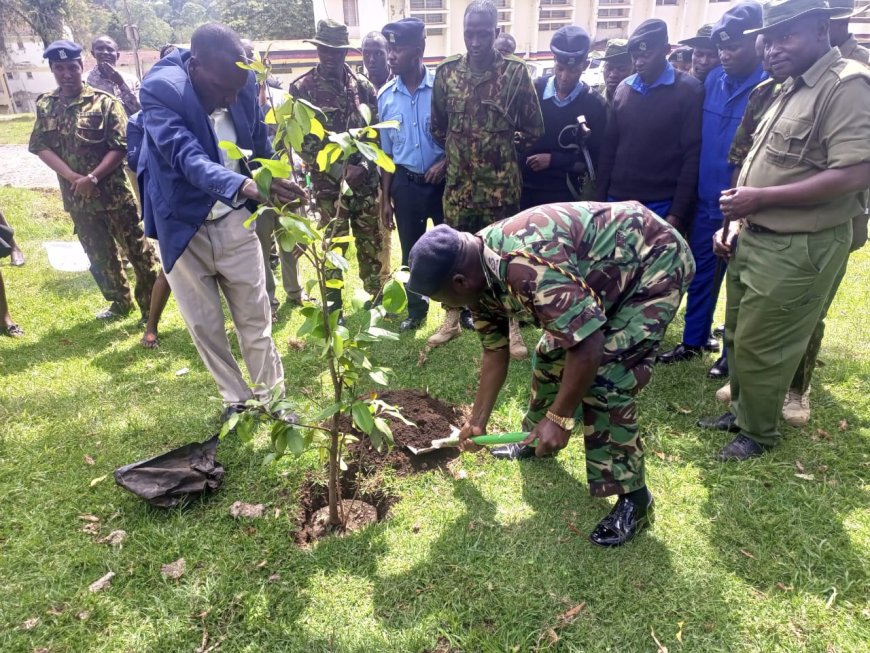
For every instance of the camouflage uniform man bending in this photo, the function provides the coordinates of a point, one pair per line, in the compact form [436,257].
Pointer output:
[603,281]
[339,92]
[484,108]
[81,134]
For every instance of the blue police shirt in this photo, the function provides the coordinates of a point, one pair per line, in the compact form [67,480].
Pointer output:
[724,105]
[668,77]
[411,145]
[550,93]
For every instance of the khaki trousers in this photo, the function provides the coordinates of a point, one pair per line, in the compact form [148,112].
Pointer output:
[224,257]
[265,227]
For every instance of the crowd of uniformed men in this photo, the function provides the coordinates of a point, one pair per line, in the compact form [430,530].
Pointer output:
[743,155]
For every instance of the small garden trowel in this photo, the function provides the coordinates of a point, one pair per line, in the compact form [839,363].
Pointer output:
[453,441]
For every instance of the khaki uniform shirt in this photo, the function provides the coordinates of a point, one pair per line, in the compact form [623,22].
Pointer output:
[819,121]
[851,50]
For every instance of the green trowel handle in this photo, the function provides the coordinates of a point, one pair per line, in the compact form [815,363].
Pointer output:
[499,438]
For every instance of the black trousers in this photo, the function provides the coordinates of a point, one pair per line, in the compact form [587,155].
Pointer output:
[540,196]
[414,203]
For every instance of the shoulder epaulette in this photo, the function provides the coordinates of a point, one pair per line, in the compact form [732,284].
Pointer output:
[389,85]
[453,58]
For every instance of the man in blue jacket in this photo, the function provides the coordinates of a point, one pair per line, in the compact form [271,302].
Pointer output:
[727,92]
[197,199]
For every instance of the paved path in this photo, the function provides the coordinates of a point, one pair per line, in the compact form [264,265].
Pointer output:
[21,169]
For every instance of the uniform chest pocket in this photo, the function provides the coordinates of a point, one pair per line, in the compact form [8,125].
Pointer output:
[456,114]
[789,143]
[91,128]
[397,136]
[496,120]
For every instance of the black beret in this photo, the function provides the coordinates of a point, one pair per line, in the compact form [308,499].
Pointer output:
[432,259]
[649,34]
[407,31]
[570,45]
[738,19]
[62,51]
[681,55]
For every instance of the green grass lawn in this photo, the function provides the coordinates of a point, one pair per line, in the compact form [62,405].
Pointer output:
[15,130]
[490,556]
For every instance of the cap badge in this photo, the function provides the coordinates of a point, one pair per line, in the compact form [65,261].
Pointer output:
[723,36]
[571,61]
[392,37]
[642,46]
[61,54]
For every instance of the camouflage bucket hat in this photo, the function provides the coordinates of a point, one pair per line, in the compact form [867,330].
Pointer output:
[845,9]
[331,34]
[782,12]
[616,49]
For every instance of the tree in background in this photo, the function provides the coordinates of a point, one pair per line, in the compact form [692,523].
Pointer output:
[262,20]
[45,18]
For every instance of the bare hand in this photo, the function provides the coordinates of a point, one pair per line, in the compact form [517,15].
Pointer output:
[387,214]
[538,162]
[435,174]
[108,71]
[284,191]
[355,176]
[82,186]
[724,249]
[675,222]
[468,431]
[550,436]
[738,203]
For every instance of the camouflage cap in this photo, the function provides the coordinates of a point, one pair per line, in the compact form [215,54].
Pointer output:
[617,49]
[432,259]
[701,39]
[331,34]
[783,12]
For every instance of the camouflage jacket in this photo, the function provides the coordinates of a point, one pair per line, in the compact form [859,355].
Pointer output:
[481,119]
[339,101]
[81,131]
[759,102]
[568,267]
[129,96]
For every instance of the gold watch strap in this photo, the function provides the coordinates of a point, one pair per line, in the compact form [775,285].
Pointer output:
[561,421]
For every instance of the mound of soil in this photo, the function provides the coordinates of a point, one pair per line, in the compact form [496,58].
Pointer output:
[432,419]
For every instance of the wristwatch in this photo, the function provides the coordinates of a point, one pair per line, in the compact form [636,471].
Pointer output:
[93,178]
[567,423]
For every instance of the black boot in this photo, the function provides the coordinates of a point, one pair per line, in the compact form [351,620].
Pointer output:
[726,422]
[719,369]
[626,520]
[465,319]
[741,448]
[679,354]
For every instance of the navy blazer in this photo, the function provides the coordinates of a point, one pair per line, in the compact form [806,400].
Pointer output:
[180,168]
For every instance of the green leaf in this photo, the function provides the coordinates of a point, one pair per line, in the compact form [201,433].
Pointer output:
[379,377]
[245,427]
[234,151]
[386,124]
[308,326]
[329,411]
[280,444]
[295,134]
[345,141]
[279,169]
[317,128]
[271,117]
[295,441]
[394,296]
[403,274]
[346,190]
[263,177]
[337,261]
[287,241]
[362,416]
[269,459]
[328,155]
[334,283]
[383,428]
[229,425]
[360,297]
[382,334]
[303,116]
[340,240]
[365,112]
[337,344]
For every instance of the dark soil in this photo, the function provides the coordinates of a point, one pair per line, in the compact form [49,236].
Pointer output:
[432,420]
[355,515]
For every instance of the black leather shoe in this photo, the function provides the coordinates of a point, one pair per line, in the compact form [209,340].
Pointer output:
[411,323]
[726,422]
[741,448]
[231,410]
[513,452]
[624,522]
[719,331]
[712,344]
[679,354]
[466,320]
[719,369]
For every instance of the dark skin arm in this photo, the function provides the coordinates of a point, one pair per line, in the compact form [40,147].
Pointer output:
[80,183]
[581,366]
[386,202]
[493,372]
[738,203]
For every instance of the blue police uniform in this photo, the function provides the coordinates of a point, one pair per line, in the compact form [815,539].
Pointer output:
[414,151]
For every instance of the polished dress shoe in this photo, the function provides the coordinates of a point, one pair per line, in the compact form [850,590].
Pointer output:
[465,320]
[726,422]
[626,520]
[411,323]
[712,344]
[741,448]
[719,369]
[680,353]
[514,451]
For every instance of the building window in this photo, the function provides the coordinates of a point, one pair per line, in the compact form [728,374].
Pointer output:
[552,27]
[20,45]
[613,13]
[666,2]
[351,13]
[608,24]
[431,12]
[427,4]
[614,2]
[551,14]
[502,4]
[431,19]
[29,75]
[10,75]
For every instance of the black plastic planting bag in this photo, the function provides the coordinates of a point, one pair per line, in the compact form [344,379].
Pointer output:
[175,476]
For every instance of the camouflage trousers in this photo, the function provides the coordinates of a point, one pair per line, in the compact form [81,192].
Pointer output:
[473,220]
[614,452]
[361,215]
[104,236]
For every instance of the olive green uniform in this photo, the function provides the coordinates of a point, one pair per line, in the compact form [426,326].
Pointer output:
[788,258]
[81,131]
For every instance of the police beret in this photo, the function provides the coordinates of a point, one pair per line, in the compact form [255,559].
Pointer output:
[681,55]
[432,259]
[570,44]
[407,31]
[701,39]
[738,19]
[62,51]
[650,33]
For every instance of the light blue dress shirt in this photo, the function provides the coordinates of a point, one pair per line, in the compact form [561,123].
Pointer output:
[668,77]
[550,92]
[411,145]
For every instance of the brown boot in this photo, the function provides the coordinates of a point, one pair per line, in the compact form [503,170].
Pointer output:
[517,347]
[448,330]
